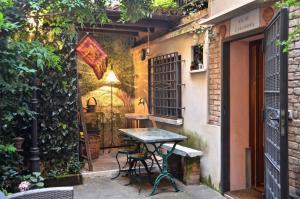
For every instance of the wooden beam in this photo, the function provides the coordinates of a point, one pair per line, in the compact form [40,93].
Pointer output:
[152,37]
[156,16]
[100,30]
[157,20]
[122,27]
[152,23]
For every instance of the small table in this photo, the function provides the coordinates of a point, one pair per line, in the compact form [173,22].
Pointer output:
[135,117]
[157,137]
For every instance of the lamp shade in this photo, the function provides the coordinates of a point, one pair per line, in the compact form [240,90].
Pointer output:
[112,78]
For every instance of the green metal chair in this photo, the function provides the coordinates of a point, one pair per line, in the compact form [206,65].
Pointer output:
[132,148]
[134,161]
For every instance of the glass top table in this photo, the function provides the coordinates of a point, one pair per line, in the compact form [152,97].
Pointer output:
[157,137]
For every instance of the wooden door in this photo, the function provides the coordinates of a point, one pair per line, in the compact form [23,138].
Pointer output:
[256,131]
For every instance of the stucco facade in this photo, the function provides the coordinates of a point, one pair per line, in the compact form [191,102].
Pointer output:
[194,98]
[201,95]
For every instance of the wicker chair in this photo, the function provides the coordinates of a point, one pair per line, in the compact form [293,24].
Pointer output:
[45,193]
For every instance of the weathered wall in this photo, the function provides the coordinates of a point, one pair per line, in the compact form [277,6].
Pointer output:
[294,105]
[194,99]
[214,80]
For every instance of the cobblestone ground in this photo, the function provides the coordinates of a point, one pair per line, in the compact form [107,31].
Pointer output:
[104,187]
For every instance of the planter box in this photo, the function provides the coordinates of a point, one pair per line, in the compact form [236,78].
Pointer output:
[61,181]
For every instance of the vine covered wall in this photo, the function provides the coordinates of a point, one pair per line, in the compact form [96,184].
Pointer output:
[58,132]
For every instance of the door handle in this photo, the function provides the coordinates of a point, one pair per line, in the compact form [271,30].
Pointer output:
[274,116]
[275,119]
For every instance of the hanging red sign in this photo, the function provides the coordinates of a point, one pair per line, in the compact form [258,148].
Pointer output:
[93,54]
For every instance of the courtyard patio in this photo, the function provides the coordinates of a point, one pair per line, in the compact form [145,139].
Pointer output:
[101,188]
[149,99]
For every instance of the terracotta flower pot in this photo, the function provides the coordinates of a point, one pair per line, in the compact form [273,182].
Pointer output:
[18,143]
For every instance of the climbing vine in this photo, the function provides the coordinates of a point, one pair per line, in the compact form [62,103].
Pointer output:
[295,32]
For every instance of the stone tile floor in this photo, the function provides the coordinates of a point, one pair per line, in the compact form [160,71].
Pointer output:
[105,188]
[98,185]
[106,161]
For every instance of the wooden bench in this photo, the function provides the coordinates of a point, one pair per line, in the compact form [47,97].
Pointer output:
[184,164]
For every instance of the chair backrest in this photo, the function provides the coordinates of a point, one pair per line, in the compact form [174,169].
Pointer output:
[45,193]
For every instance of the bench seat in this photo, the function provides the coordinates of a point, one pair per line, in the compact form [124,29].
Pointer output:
[184,163]
[183,151]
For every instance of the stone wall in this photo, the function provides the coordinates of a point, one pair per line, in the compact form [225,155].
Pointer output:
[214,81]
[294,105]
[201,135]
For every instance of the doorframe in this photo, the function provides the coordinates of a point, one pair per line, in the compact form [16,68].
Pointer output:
[225,105]
[284,175]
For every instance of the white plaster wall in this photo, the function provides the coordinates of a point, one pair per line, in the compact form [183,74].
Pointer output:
[194,98]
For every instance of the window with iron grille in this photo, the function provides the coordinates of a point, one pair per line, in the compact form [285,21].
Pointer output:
[164,79]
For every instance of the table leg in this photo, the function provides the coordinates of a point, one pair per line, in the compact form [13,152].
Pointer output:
[153,154]
[164,172]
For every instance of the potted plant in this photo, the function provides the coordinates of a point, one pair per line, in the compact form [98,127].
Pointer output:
[18,143]
[194,66]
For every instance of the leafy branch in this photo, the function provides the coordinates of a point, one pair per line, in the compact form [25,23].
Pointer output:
[294,34]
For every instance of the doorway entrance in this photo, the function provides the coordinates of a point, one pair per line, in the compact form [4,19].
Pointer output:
[246,130]
[236,139]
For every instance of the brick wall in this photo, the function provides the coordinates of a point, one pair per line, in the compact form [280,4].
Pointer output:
[214,81]
[294,105]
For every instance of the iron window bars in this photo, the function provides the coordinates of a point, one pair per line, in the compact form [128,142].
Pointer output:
[164,81]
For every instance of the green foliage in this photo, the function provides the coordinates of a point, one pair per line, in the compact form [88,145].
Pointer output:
[18,62]
[37,37]
[35,179]
[74,166]
[8,148]
[194,6]
[61,168]
[294,34]
[9,167]
[164,4]
[58,112]
[5,4]
[133,10]
[288,3]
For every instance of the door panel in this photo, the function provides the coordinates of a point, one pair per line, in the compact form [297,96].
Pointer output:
[256,117]
[275,102]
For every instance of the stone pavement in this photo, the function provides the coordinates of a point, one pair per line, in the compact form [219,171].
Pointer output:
[105,188]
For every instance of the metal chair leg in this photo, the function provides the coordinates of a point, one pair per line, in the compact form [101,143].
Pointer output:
[130,171]
[126,162]
[118,166]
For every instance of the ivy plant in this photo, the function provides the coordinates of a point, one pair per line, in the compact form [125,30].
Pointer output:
[295,32]
[9,168]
